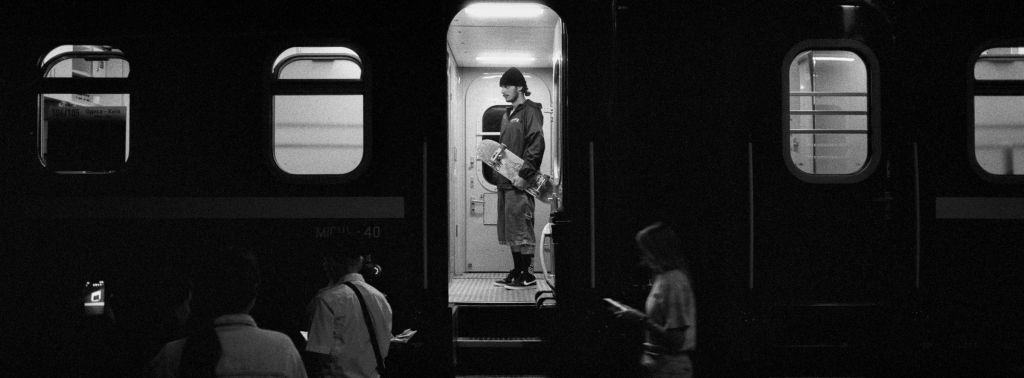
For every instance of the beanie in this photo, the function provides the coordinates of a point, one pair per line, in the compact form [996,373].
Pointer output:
[513,77]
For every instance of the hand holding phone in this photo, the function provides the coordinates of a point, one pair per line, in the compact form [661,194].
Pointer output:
[94,297]
[403,337]
[623,311]
[616,306]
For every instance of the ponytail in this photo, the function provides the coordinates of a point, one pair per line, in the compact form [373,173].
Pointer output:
[201,353]
[226,283]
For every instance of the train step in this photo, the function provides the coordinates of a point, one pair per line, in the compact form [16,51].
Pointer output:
[498,342]
[513,358]
[491,339]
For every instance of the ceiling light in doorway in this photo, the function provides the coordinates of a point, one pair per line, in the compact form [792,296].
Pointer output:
[506,59]
[504,10]
[838,59]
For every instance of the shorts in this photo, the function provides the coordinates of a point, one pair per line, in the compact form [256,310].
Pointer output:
[515,221]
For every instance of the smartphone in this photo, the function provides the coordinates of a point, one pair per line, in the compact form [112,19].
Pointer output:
[94,298]
[616,304]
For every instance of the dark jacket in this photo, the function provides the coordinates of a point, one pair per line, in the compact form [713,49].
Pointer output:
[522,133]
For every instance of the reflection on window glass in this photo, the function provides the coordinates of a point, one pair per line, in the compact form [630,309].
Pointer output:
[1001,63]
[318,63]
[320,69]
[84,132]
[998,119]
[828,112]
[317,133]
[999,134]
[86,61]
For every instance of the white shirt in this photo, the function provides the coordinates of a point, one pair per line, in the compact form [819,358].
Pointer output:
[337,327]
[246,351]
[671,305]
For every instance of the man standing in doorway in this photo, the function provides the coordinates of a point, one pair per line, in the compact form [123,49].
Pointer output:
[522,134]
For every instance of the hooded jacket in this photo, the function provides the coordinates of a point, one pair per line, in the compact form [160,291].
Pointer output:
[523,135]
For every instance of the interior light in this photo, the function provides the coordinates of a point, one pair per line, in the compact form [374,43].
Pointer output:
[495,76]
[506,59]
[833,58]
[504,10]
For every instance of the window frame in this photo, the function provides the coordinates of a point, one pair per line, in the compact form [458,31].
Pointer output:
[297,87]
[1008,88]
[873,102]
[90,85]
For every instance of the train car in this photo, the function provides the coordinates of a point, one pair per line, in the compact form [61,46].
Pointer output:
[844,175]
[844,171]
[143,138]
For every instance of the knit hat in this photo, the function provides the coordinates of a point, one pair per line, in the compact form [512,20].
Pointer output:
[513,77]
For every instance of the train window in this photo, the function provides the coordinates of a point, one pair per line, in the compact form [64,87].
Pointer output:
[998,125]
[83,110]
[319,111]
[827,132]
[318,63]
[490,128]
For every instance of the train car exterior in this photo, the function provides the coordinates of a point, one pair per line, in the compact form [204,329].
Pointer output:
[204,153]
[142,138]
[845,174]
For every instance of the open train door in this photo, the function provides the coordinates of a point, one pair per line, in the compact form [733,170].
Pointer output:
[497,330]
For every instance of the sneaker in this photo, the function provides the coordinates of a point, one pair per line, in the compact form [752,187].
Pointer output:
[523,281]
[507,280]
[529,278]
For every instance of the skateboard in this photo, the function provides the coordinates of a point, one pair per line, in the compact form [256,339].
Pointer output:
[508,164]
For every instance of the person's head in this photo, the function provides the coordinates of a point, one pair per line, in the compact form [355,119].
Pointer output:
[513,85]
[227,282]
[661,248]
[179,297]
[344,256]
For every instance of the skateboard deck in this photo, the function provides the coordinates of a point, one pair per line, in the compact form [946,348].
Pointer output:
[508,164]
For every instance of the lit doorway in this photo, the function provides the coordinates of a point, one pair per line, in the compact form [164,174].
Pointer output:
[485,39]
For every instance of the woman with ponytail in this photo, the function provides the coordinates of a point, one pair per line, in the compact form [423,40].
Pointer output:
[670,319]
[226,340]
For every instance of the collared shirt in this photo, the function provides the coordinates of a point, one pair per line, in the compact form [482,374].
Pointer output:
[337,327]
[246,351]
[671,305]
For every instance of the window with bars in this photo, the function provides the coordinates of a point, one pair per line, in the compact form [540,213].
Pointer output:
[828,113]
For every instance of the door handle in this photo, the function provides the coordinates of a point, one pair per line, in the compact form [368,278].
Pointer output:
[475,205]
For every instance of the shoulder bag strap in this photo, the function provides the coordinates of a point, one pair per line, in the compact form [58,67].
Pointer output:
[369,327]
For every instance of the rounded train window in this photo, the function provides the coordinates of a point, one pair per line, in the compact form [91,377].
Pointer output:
[998,126]
[490,128]
[319,111]
[83,110]
[831,124]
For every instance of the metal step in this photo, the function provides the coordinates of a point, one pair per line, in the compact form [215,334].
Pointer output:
[498,342]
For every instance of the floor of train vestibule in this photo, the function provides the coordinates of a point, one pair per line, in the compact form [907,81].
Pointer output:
[470,288]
